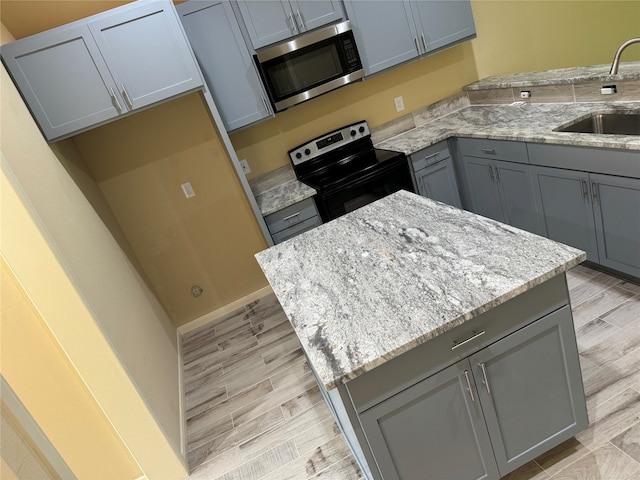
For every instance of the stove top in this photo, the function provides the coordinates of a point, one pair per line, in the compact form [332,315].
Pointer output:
[340,157]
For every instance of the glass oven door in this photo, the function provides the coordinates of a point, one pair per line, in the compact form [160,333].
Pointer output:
[367,189]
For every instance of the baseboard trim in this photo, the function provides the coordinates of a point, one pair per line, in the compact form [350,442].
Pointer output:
[213,316]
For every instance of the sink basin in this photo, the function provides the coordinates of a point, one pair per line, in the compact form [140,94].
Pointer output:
[606,123]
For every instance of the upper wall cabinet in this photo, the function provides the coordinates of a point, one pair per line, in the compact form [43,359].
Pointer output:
[392,32]
[94,70]
[225,61]
[270,21]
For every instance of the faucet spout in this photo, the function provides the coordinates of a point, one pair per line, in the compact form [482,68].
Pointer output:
[616,59]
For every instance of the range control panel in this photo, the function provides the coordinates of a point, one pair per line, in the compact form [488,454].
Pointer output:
[328,142]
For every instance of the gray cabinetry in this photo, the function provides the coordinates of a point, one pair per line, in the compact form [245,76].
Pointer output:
[413,433]
[527,384]
[293,220]
[499,391]
[94,70]
[434,174]
[392,32]
[594,212]
[225,61]
[498,189]
[270,21]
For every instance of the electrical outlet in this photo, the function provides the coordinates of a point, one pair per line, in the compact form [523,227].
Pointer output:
[188,190]
[399,103]
[525,93]
[245,167]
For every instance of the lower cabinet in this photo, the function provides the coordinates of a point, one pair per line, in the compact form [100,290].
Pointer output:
[293,220]
[594,212]
[502,191]
[496,409]
[435,176]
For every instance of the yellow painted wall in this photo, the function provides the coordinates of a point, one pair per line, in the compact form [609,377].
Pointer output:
[34,365]
[512,36]
[209,240]
[110,327]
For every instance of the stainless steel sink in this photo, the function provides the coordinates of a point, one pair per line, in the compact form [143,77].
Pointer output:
[605,123]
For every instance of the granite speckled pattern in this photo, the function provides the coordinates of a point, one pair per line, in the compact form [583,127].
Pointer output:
[374,283]
[522,122]
[626,71]
[278,189]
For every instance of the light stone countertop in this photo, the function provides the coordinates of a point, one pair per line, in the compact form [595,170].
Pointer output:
[575,75]
[375,283]
[520,122]
[278,189]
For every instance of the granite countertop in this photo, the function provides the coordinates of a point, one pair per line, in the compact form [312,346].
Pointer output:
[278,189]
[374,283]
[520,122]
[576,75]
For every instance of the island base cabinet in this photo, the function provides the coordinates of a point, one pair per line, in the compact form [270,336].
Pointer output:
[530,388]
[487,414]
[434,429]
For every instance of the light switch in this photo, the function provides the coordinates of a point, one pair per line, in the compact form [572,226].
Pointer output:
[188,190]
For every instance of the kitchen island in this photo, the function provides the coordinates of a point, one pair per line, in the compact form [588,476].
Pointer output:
[435,333]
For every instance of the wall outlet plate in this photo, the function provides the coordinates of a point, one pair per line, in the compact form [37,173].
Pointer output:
[399,102]
[188,190]
[245,166]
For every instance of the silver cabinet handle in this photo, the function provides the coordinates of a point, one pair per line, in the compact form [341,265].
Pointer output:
[497,172]
[302,26]
[294,28]
[585,188]
[488,151]
[466,375]
[493,178]
[594,191]
[486,380]
[431,156]
[424,43]
[290,216]
[126,97]
[475,335]
[114,100]
[415,39]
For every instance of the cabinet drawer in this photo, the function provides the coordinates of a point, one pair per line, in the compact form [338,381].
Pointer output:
[407,369]
[297,229]
[429,156]
[495,149]
[291,215]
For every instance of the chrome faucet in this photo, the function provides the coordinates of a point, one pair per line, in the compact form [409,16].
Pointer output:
[616,59]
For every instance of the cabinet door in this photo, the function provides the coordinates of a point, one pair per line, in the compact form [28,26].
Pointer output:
[616,207]
[64,80]
[438,181]
[414,433]
[268,21]
[563,196]
[440,24]
[225,61]
[384,31]
[530,389]
[482,188]
[147,52]
[518,199]
[315,14]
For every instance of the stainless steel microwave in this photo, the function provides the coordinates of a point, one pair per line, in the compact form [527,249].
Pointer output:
[309,65]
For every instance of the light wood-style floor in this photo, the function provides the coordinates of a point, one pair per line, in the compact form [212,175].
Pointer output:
[254,411]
